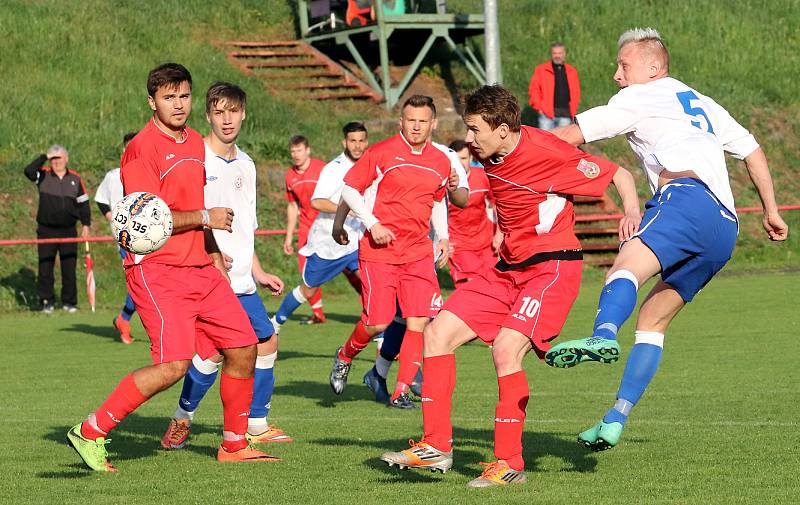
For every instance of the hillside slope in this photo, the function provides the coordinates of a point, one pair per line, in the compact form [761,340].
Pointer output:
[75,74]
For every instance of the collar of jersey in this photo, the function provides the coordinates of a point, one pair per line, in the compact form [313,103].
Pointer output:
[418,153]
[235,158]
[500,160]
[184,133]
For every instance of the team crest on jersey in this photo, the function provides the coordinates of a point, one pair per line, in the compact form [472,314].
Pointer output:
[589,169]
[238,183]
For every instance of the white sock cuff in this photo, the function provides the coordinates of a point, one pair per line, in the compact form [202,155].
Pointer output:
[623,274]
[649,337]
[205,366]
[267,361]
[298,295]
[317,305]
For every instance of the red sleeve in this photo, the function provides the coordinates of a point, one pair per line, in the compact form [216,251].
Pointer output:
[361,175]
[570,171]
[289,194]
[139,172]
[534,92]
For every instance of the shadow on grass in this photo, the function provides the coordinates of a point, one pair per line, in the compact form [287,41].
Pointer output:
[321,392]
[332,316]
[23,284]
[99,331]
[136,438]
[536,446]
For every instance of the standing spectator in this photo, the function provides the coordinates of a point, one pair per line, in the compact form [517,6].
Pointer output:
[107,196]
[555,90]
[62,202]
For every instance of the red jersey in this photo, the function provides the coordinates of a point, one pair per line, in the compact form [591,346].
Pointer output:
[300,187]
[175,171]
[470,228]
[401,186]
[533,186]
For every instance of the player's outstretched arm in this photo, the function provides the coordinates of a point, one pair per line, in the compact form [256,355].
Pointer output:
[324,205]
[758,169]
[626,188]
[218,218]
[571,134]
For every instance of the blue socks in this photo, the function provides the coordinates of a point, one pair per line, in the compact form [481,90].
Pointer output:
[640,369]
[290,302]
[617,301]
[263,385]
[128,309]
[196,383]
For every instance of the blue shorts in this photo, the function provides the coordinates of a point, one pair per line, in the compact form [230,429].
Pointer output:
[318,271]
[259,318]
[691,233]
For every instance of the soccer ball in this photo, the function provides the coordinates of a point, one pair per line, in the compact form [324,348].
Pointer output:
[141,222]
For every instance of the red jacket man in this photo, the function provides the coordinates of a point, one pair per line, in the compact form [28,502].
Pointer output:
[555,90]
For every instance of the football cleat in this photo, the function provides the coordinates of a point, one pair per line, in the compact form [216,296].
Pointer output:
[92,452]
[377,385]
[572,352]
[315,319]
[420,455]
[177,434]
[249,454]
[403,401]
[498,473]
[272,435]
[339,373]
[124,329]
[602,436]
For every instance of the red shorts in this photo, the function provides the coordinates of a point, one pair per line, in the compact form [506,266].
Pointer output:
[534,301]
[414,285]
[187,310]
[466,265]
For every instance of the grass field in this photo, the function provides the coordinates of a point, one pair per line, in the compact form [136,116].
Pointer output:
[718,426]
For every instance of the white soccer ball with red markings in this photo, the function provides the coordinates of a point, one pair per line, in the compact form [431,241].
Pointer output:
[141,222]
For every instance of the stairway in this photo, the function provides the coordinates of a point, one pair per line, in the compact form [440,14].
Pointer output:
[600,239]
[295,71]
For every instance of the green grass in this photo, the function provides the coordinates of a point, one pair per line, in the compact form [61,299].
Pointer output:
[718,425]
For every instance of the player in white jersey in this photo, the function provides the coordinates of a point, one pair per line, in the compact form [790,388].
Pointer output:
[325,259]
[231,182]
[108,194]
[689,227]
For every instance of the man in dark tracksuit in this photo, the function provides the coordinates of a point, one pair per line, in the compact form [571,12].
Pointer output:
[62,201]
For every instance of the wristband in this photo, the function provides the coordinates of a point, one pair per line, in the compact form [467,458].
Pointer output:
[204,218]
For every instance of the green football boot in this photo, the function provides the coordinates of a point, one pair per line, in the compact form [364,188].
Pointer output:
[602,436]
[93,452]
[570,353]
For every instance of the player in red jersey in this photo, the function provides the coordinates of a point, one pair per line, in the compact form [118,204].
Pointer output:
[301,179]
[521,303]
[183,298]
[473,241]
[397,190]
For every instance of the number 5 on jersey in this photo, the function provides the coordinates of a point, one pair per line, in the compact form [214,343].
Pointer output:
[686,97]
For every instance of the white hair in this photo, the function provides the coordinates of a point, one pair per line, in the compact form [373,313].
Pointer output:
[640,35]
[57,149]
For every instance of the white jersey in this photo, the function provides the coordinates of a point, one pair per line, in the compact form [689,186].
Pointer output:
[233,184]
[110,190]
[455,164]
[670,125]
[320,236]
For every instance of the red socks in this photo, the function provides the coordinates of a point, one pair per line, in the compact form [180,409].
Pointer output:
[358,340]
[236,394]
[509,419]
[315,299]
[410,358]
[125,398]
[437,400]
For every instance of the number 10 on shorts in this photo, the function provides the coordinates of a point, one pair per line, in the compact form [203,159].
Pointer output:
[529,308]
